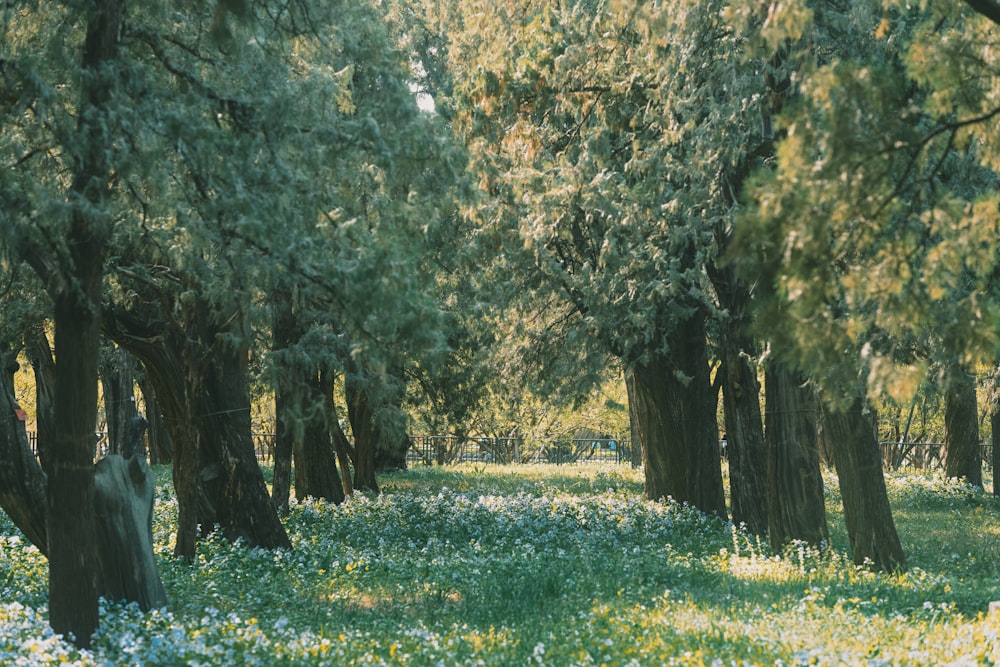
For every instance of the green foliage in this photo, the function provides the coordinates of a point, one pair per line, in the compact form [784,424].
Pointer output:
[545,565]
[874,228]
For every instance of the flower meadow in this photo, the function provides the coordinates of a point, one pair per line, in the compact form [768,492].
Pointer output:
[540,565]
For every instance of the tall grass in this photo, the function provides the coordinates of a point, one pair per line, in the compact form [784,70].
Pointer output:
[486,565]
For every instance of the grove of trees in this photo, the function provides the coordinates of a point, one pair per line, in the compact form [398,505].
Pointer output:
[484,209]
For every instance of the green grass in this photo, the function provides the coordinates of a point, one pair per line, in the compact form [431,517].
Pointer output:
[487,565]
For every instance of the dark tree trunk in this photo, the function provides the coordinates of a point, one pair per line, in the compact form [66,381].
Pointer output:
[72,548]
[202,386]
[963,459]
[677,426]
[995,425]
[315,455]
[117,372]
[300,405]
[161,447]
[362,420]
[745,446]
[870,527]
[795,484]
[284,333]
[340,442]
[76,297]
[22,481]
[242,503]
[43,365]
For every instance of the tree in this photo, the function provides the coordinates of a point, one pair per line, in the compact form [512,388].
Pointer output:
[796,505]
[963,458]
[604,158]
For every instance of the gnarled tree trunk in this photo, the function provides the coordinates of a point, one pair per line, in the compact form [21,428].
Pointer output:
[676,423]
[22,481]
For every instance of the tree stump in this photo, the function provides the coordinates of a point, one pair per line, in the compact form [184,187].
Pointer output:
[124,499]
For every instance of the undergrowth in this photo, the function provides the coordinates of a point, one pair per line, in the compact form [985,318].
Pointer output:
[488,565]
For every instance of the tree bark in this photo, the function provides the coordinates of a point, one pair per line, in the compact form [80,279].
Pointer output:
[963,458]
[117,372]
[797,510]
[124,494]
[745,446]
[243,505]
[76,297]
[341,445]
[284,333]
[161,448]
[359,412]
[676,423]
[315,457]
[870,527]
[22,481]
[201,378]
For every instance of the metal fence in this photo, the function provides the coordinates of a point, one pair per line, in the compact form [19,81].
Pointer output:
[924,455]
[449,449]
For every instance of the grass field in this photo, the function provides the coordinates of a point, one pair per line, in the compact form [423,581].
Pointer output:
[486,565]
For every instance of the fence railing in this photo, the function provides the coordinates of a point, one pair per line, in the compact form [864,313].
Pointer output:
[449,449]
[924,455]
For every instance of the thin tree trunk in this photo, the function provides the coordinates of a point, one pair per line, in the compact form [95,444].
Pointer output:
[676,424]
[39,354]
[117,373]
[362,420]
[745,446]
[870,527]
[744,439]
[161,447]
[636,454]
[963,459]
[340,442]
[797,510]
[284,333]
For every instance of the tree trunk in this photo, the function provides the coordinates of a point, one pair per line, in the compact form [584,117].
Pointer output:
[72,548]
[22,481]
[43,365]
[795,484]
[244,508]
[636,454]
[284,333]
[340,443]
[315,455]
[161,447]
[744,437]
[124,493]
[362,420]
[963,459]
[745,446]
[870,527]
[76,298]
[117,372]
[676,424]
[202,385]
